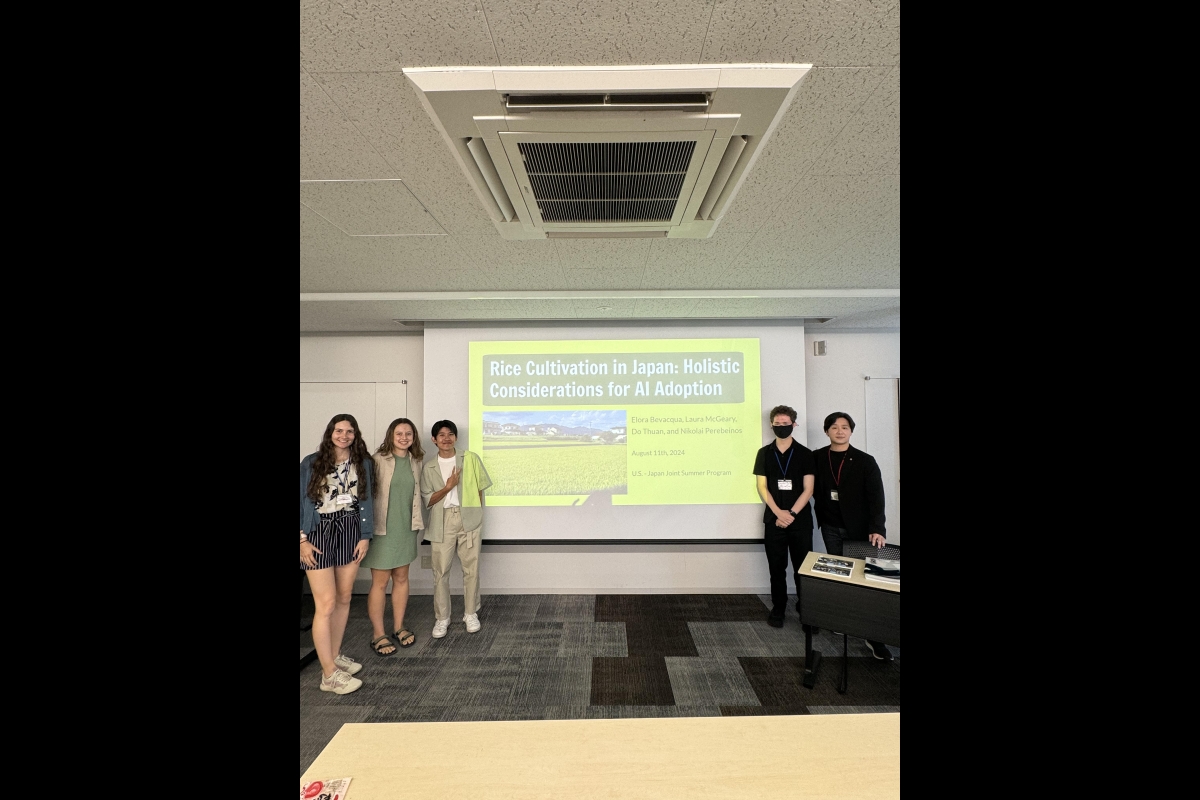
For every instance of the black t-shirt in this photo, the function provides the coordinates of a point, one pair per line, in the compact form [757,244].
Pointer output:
[797,462]
[828,473]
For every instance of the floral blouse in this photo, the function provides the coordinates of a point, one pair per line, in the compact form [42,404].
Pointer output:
[342,480]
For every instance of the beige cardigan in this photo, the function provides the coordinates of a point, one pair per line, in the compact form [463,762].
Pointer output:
[384,466]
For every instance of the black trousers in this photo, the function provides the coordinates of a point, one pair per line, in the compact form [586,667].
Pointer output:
[796,540]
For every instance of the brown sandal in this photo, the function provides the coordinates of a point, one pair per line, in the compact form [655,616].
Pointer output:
[403,634]
[378,644]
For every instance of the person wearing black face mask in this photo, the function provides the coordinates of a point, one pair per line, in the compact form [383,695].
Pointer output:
[785,471]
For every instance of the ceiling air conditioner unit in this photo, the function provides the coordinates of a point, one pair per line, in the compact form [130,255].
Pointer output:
[620,152]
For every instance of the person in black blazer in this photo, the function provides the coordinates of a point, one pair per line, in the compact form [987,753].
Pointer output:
[849,496]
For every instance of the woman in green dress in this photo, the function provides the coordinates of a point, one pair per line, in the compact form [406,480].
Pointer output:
[398,523]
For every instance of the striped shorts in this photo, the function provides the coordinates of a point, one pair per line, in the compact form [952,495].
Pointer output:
[336,536]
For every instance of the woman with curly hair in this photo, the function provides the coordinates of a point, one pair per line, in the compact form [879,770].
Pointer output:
[337,521]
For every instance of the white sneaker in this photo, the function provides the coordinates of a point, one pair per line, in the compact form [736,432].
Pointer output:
[472,621]
[339,683]
[347,664]
[440,627]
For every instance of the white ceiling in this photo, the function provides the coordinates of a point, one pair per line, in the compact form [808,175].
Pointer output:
[390,227]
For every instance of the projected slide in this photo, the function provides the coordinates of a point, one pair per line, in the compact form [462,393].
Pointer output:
[619,422]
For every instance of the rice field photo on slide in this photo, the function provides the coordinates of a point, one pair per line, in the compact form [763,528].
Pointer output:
[566,452]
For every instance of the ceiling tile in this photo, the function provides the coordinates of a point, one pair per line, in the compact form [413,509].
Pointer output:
[506,254]
[385,108]
[598,33]
[692,263]
[369,208]
[603,253]
[866,262]
[387,35]
[826,212]
[608,278]
[870,143]
[531,265]
[331,148]
[824,33]
[333,262]
[824,104]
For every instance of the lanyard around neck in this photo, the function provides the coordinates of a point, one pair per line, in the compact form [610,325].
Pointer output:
[782,468]
[837,479]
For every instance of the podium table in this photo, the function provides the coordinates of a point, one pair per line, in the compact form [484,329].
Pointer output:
[854,606]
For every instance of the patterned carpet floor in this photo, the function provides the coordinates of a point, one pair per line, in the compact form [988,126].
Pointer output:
[592,657]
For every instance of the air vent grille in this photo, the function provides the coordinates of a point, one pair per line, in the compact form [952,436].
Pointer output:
[691,101]
[607,181]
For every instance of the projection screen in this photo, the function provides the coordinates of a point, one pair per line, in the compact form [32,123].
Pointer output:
[616,434]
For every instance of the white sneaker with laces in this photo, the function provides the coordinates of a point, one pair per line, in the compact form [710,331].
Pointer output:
[440,627]
[472,621]
[339,683]
[347,664]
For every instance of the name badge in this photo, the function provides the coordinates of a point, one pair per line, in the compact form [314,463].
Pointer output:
[833,495]
[345,499]
[785,485]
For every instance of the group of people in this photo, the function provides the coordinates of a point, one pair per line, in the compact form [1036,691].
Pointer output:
[363,509]
[359,508]
[847,489]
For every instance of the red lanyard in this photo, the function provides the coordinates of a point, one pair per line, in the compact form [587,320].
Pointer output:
[837,479]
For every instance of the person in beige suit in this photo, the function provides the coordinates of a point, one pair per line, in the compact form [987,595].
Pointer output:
[398,526]
[452,486]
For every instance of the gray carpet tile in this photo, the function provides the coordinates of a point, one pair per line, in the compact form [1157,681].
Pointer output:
[854,709]
[491,714]
[320,723]
[756,638]
[472,681]
[412,713]
[552,681]
[567,607]
[533,638]
[593,639]
[399,683]
[511,607]
[629,711]
[716,680]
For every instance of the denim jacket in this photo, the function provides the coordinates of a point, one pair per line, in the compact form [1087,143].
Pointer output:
[308,509]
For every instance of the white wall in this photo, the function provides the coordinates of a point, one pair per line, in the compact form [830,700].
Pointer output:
[837,382]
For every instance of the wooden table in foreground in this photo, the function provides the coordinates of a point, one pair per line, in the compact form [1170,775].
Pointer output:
[809,756]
